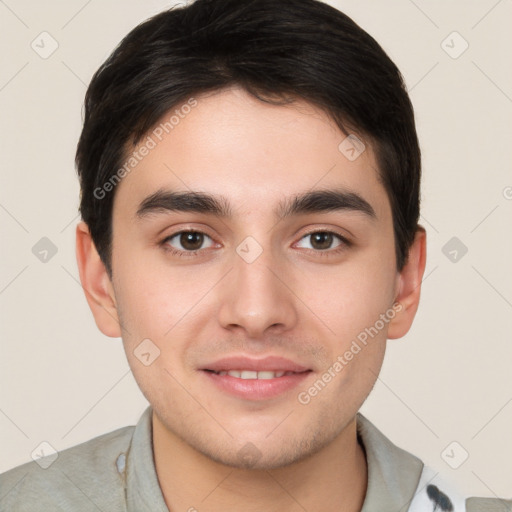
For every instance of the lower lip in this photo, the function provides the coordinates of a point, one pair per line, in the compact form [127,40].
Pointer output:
[256,389]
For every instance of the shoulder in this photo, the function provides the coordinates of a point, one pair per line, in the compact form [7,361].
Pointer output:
[83,477]
[488,505]
[397,477]
[437,493]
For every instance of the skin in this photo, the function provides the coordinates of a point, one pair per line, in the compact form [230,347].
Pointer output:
[294,301]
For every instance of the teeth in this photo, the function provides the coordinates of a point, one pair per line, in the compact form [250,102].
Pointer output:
[250,374]
[269,375]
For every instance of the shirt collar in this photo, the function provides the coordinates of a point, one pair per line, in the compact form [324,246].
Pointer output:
[142,488]
[393,473]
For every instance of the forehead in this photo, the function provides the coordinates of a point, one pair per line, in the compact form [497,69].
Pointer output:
[230,144]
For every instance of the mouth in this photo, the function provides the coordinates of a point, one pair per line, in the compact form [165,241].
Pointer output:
[255,385]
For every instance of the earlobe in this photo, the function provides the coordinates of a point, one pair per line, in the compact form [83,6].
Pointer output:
[96,283]
[409,286]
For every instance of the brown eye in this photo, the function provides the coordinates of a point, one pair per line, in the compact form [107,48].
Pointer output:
[191,241]
[186,241]
[323,240]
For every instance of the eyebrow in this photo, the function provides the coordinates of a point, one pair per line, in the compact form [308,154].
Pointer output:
[315,201]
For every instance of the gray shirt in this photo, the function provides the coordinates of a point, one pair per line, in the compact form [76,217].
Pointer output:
[115,472]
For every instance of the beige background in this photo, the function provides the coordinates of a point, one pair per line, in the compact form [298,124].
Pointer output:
[448,380]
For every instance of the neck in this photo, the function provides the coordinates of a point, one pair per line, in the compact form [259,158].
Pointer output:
[334,478]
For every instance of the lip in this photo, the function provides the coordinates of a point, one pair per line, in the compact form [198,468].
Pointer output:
[255,389]
[270,363]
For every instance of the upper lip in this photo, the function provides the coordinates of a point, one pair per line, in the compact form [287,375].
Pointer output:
[270,363]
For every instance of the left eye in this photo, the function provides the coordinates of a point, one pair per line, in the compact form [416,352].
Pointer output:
[322,240]
[189,240]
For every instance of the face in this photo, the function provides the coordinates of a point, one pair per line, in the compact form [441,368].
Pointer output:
[253,281]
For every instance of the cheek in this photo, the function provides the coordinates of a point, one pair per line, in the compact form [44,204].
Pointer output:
[167,306]
[153,297]
[358,313]
[349,298]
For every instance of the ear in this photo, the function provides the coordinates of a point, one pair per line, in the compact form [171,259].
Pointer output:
[409,286]
[96,283]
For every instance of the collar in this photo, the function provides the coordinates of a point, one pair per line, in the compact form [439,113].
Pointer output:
[393,473]
[143,491]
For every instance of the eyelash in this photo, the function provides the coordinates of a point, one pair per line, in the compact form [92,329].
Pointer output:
[345,243]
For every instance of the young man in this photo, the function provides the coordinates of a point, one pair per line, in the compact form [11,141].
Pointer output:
[250,178]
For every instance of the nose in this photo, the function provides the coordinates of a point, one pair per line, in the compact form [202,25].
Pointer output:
[257,295]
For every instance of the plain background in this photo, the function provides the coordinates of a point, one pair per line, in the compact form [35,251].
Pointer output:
[447,381]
